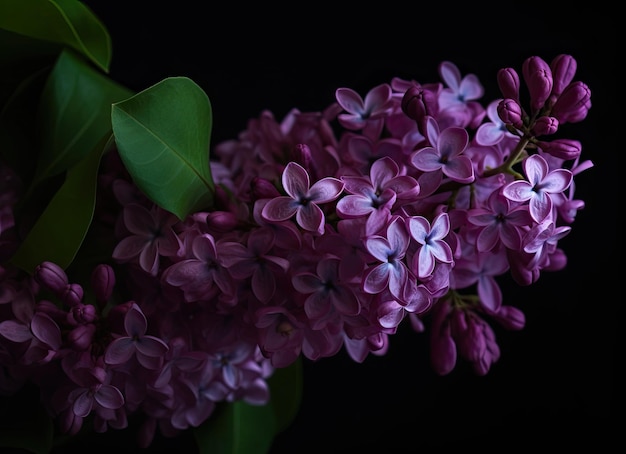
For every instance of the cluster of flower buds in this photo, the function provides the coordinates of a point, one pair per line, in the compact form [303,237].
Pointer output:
[329,229]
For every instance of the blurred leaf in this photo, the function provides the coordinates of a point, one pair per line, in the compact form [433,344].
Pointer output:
[286,394]
[74,114]
[237,428]
[68,22]
[59,232]
[162,135]
[24,423]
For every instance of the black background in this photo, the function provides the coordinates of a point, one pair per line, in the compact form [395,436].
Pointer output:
[553,386]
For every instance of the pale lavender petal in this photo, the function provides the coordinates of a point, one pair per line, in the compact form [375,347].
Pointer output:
[557,181]
[490,294]
[149,259]
[427,160]
[119,351]
[489,134]
[536,168]
[325,190]
[46,330]
[397,280]
[82,404]
[518,191]
[14,331]
[487,238]
[203,247]
[151,346]
[279,209]
[425,262]
[376,278]
[349,100]
[129,247]
[377,97]
[109,397]
[390,314]
[135,322]
[419,227]
[398,237]
[352,206]
[311,217]
[295,180]
[540,206]
[440,227]
[459,169]
[452,141]
[383,170]
[379,247]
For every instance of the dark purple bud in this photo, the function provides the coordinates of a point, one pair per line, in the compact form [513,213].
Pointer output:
[72,295]
[538,77]
[221,221]
[575,97]
[80,337]
[508,81]
[51,276]
[565,149]
[511,318]
[81,314]
[563,71]
[102,282]
[510,112]
[264,189]
[302,155]
[545,126]
[418,102]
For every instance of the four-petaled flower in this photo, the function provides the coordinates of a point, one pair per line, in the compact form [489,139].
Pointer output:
[537,190]
[432,242]
[302,199]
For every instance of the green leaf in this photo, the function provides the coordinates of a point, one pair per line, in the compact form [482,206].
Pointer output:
[237,428]
[24,423]
[68,22]
[286,394]
[162,135]
[74,114]
[59,232]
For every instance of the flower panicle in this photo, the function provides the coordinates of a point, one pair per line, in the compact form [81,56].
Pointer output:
[328,231]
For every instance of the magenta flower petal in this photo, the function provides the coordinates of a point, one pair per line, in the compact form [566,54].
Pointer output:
[109,397]
[279,209]
[151,346]
[15,331]
[46,330]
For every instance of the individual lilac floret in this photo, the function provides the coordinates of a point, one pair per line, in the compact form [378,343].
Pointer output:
[365,113]
[432,244]
[302,199]
[495,130]
[541,183]
[445,153]
[391,272]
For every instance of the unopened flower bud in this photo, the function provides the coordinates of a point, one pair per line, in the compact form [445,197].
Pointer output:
[302,155]
[72,295]
[576,96]
[263,189]
[510,112]
[508,81]
[563,70]
[51,276]
[538,78]
[565,149]
[221,221]
[80,338]
[545,126]
[418,103]
[102,282]
[81,314]
[510,317]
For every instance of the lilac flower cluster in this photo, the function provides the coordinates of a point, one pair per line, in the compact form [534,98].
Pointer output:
[329,229]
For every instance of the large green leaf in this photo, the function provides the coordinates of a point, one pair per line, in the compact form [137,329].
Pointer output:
[237,428]
[68,22]
[286,391]
[74,114]
[162,135]
[60,230]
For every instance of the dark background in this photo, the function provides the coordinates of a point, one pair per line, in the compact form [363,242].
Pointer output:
[553,386]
